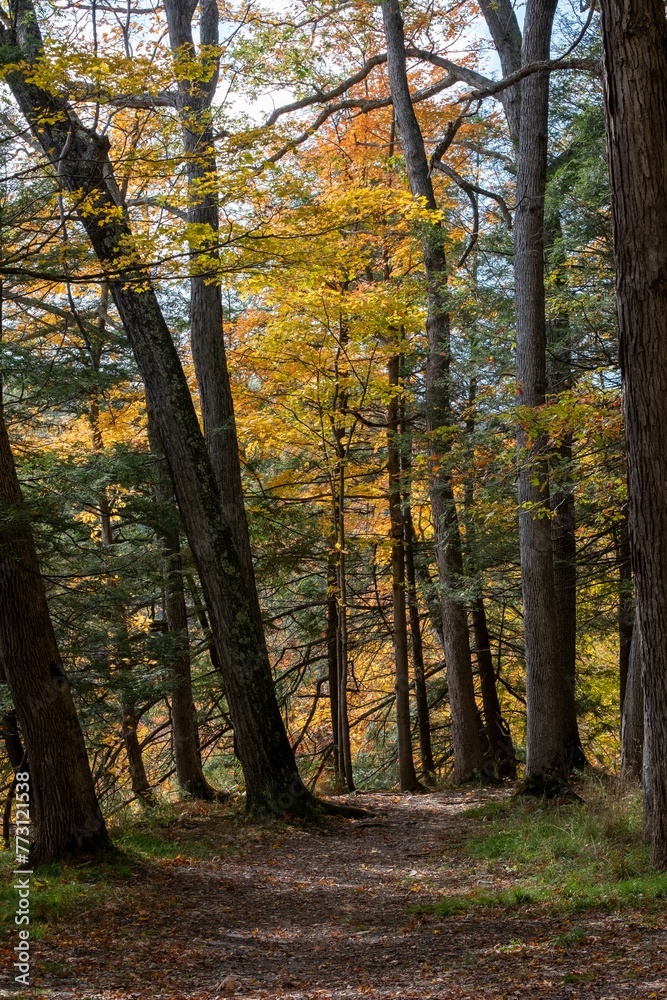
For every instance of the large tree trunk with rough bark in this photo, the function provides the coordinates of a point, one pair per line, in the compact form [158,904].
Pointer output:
[467,746]
[546,764]
[80,155]
[66,818]
[635,81]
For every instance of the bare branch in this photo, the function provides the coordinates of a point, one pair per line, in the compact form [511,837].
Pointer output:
[322,96]
[468,187]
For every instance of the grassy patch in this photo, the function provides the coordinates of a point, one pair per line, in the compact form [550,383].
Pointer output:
[58,890]
[573,857]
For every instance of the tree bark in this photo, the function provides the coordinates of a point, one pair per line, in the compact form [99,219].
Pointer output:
[546,764]
[333,669]
[563,523]
[635,82]
[80,157]
[66,817]
[632,718]
[501,747]
[504,29]
[184,736]
[421,693]
[406,768]
[467,747]
[206,313]
[626,605]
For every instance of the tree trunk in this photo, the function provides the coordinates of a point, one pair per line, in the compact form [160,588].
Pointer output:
[341,648]
[333,671]
[632,719]
[635,79]
[626,605]
[121,640]
[546,764]
[563,524]
[11,737]
[184,736]
[504,28]
[406,767]
[467,746]
[66,818]
[206,314]
[421,694]
[501,747]
[273,784]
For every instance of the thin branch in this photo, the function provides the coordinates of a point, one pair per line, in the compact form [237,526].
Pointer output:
[469,187]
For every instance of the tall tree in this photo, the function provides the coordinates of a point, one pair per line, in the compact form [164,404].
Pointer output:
[80,157]
[468,755]
[406,767]
[635,81]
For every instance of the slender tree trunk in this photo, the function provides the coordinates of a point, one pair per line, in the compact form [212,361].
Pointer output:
[499,745]
[206,313]
[632,718]
[504,28]
[342,647]
[184,735]
[66,818]
[333,670]
[406,767]
[546,764]
[467,746]
[563,524]
[121,640]
[626,605]
[421,694]
[635,79]
[80,156]
[498,734]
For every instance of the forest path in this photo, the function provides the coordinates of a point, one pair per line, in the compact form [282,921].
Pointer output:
[299,914]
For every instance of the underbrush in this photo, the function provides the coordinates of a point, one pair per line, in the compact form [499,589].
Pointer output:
[573,857]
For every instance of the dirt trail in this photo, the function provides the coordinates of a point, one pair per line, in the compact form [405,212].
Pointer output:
[329,913]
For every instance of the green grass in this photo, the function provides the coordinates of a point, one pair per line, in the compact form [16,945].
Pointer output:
[58,890]
[164,833]
[573,857]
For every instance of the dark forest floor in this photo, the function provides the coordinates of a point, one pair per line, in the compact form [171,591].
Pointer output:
[334,912]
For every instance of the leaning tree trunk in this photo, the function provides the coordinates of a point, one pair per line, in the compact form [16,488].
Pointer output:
[467,746]
[66,818]
[635,81]
[546,765]
[80,155]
